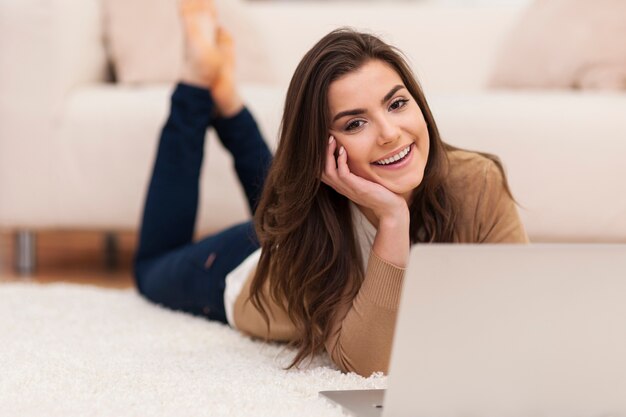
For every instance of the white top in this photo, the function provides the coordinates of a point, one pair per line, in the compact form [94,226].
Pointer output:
[235,280]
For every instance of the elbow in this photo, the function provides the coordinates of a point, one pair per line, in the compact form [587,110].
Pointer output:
[363,365]
[367,369]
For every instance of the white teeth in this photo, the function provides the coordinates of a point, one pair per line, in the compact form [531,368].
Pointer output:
[394,158]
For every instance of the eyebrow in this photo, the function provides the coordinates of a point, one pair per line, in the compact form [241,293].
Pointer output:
[354,112]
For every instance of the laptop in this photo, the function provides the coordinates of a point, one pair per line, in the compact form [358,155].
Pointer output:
[506,330]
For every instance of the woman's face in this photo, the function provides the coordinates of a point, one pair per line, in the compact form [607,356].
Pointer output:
[381,127]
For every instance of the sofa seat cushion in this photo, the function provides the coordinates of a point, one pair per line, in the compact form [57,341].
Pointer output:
[562,151]
[106,145]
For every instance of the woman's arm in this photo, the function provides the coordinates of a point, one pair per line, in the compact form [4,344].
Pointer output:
[390,210]
[362,331]
[250,321]
[496,217]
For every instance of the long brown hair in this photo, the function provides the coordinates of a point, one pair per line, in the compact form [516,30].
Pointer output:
[304,226]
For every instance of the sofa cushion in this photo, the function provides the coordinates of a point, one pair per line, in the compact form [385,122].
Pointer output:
[563,152]
[145,40]
[559,148]
[106,149]
[565,44]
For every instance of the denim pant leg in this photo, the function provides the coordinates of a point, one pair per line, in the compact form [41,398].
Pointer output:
[171,203]
[170,269]
[252,158]
[193,278]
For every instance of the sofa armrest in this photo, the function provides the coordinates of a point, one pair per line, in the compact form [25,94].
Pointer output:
[46,48]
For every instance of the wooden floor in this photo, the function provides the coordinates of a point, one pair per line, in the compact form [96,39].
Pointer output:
[70,256]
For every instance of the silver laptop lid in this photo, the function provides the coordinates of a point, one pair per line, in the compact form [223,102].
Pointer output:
[359,403]
[511,330]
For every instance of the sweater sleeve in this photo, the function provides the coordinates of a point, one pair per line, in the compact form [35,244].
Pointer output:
[362,332]
[249,320]
[497,219]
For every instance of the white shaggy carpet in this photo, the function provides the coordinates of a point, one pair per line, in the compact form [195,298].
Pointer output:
[70,350]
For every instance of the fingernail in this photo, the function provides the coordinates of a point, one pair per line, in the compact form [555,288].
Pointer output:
[341,151]
[331,139]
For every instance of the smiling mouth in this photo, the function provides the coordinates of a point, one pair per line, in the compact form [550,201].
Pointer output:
[395,158]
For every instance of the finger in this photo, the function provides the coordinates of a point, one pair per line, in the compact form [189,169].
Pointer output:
[331,165]
[329,174]
[342,163]
[346,179]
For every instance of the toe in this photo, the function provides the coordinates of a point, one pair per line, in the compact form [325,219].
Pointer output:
[224,37]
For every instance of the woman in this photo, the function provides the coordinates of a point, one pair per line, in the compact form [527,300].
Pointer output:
[360,174]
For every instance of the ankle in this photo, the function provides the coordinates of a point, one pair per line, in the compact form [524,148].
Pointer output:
[226,97]
[190,76]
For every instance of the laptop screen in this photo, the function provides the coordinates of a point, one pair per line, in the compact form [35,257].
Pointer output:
[511,330]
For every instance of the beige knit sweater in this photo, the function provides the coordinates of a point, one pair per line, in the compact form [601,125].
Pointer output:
[362,331]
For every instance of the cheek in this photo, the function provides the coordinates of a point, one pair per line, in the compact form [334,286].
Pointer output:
[425,140]
[358,158]
[421,129]
[360,169]
[420,122]
[357,164]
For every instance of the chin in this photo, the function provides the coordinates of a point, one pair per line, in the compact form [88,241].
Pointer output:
[406,185]
[403,190]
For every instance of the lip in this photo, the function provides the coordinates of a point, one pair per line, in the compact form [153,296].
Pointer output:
[392,153]
[400,164]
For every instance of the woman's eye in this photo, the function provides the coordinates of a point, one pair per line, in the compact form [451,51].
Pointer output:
[398,103]
[355,124]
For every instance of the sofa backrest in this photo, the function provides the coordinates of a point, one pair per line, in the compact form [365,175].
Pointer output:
[451,48]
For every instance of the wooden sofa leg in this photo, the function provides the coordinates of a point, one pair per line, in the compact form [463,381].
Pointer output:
[111,251]
[25,252]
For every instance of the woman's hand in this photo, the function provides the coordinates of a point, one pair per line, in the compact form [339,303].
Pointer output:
[391,210]
[383,202]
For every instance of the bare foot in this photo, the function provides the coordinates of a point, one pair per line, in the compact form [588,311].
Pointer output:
[202,58]
[224,89]
[209,54]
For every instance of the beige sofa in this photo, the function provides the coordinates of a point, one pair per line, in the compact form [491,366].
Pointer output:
[76,148]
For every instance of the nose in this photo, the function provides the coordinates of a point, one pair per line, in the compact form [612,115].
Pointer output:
[389,131]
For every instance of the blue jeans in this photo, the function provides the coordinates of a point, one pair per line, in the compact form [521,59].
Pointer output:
[170,269]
